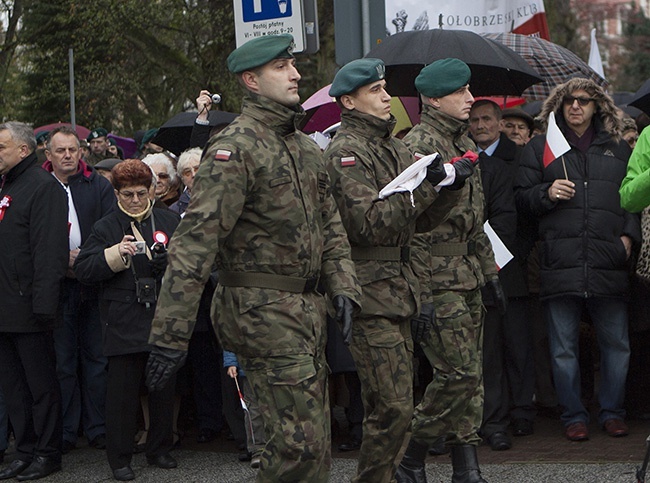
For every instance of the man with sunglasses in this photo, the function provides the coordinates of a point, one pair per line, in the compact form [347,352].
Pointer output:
[586,242]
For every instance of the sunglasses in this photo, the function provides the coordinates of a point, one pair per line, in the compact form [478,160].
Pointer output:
[583,101]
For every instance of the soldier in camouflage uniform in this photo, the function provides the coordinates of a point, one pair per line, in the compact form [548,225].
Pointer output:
[364,157]
[262,209]
[452,263]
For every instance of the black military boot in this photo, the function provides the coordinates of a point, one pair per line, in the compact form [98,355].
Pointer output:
[465,463]
[411,469]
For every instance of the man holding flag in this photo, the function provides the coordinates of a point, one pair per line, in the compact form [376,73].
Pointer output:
[569,180]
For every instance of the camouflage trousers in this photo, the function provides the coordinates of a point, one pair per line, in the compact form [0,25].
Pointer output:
[293,398]
[452,405]
[383,353]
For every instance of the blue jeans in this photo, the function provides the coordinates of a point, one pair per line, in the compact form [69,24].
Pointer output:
[3,422]
[79,342]
[609,317]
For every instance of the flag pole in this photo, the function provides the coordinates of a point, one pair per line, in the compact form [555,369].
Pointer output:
[566,176]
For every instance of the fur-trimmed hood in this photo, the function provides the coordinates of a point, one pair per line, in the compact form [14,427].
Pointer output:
[606,110]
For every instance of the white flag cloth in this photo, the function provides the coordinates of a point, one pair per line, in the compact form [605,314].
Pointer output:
[501,253]
[595,62]
[409,179]
[556,143]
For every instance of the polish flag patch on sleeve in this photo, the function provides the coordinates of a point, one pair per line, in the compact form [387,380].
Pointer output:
[418,156]
[348,161]
[222,155]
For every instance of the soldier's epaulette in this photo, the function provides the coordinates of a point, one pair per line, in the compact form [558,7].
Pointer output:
[222,155]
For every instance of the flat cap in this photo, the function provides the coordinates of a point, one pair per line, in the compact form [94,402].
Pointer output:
[356,74]
[259,51]
[442,77]
[519,114]
[107,164]
[98,132]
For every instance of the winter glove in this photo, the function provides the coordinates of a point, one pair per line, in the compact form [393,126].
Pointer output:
[158,262]
[436,171]
[499,296]
[344,308]
[162,364]
[464,168]
[423,323]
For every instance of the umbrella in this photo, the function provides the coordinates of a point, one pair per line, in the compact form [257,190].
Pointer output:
[128,145]
[554,63]
[641,98]
[322,112]
[496,69]
[175,134]
[82,132]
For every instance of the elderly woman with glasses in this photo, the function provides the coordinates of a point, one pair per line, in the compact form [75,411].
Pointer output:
[126,254]
[167,182]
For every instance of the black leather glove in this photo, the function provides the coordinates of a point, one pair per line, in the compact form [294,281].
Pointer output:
[464,168]
[158,262]
[499,296]
[436,171]
[344,309]
[423,323]
[162,364]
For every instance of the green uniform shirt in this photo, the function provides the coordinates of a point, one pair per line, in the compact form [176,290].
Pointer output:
[364,157]
[261,202]
[438,132]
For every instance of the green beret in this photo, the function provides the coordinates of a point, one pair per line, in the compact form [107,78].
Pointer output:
[148,136]
[98,132]
[259,51]
[442,77]
[41,137]
[355,74]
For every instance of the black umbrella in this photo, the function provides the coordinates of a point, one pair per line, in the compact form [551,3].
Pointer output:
[496,69]
[641,98]
[175,134]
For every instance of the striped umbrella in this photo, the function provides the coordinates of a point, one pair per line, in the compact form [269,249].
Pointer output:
[554,63]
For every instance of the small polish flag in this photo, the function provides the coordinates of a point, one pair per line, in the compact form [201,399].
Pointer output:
[222,155]
[556,144]
[348,161]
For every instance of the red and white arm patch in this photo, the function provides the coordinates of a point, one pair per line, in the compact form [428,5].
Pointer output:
[418,156]
[348,161]
[222,155]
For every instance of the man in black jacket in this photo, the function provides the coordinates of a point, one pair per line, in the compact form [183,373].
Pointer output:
[508,376]
[586,241]
[33,261]
[79,341]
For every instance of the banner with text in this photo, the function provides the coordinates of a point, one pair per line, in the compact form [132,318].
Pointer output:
[525,17]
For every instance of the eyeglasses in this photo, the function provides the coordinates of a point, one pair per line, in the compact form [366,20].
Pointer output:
[163,175]
[583,101]
[189,171]
[132,194]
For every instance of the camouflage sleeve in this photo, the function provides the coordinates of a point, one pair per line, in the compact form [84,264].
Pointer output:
[369,220]
[485,255]
[438,211]
[218,195]
[337,268]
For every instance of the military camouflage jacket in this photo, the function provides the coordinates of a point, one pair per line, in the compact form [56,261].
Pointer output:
[446,135]
[261,202]
[362,158]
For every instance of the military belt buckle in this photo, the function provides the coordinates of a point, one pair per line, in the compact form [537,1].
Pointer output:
[311,284]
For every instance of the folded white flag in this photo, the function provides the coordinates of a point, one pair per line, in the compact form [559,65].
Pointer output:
[409,179]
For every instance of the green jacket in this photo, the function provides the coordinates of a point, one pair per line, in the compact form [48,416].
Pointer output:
[635,188]
[362,158]
[260,203]
[438,132]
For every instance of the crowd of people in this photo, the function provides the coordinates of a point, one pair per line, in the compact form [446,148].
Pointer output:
[256,261]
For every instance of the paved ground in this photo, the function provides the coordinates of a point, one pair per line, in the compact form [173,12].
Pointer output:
[545,457]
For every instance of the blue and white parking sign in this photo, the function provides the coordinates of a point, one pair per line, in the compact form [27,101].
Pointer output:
[256,18]
[256,10]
